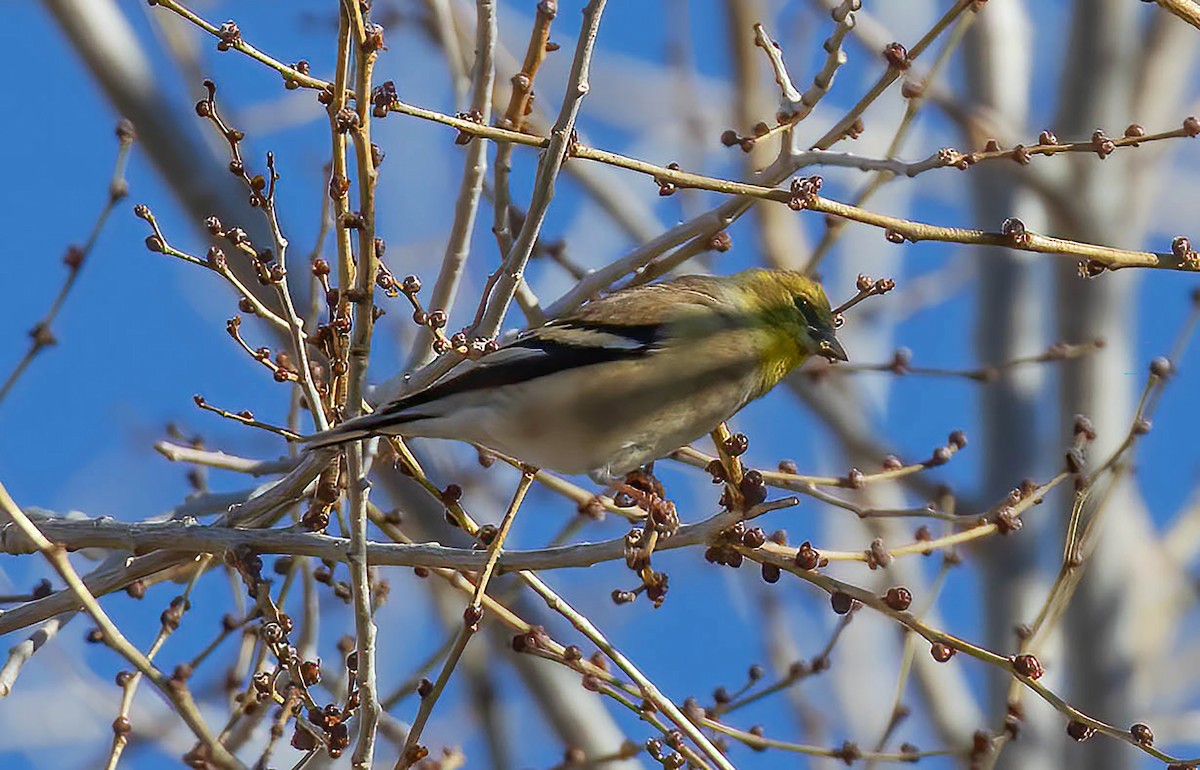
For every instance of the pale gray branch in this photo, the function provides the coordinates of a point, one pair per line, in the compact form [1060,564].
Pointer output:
[187,538]
[260,511]
[20,653]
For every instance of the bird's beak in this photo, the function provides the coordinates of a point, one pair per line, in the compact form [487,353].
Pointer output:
[829,347]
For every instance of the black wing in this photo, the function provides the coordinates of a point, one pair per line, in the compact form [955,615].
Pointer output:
[556,347]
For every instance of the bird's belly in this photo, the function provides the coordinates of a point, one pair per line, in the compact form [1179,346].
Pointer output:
[611,425]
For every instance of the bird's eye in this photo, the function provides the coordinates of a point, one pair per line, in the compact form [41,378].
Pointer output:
[808,311]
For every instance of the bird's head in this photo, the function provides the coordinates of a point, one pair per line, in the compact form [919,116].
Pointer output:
[798,304]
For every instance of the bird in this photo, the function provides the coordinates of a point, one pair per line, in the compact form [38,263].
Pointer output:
[623,380]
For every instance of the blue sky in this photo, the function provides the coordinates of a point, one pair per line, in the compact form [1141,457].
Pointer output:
[142,333]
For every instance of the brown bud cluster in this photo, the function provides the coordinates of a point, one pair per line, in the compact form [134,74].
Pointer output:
[229,35]
[1102,145]
[941,652]
[808,557]
[842,603]
[665,186]
[731,138]
[382,99]
[1181,249]
[877,554]
[753,488]
[1161,367]
[804,192]
[898,598]
[896,55]
[464,136]
[1014,230]
[1080,731]
[1028,666]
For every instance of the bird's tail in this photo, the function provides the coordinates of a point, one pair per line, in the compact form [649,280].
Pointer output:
[378,423]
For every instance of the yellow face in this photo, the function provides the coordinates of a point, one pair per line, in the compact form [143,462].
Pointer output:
[796,304]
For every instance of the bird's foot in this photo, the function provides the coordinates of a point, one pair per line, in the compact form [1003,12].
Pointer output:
[643,489]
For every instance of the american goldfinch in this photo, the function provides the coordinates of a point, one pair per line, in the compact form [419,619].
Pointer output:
[625,379]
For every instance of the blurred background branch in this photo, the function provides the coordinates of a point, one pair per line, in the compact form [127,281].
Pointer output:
[931,123]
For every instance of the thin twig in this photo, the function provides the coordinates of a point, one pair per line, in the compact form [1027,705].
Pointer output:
[412,751]
[1184,9]
[935,636]
[262,196]
[646,687]
[561,138]
[170,622]
[795,106]
[246,417]
[466,206]
[1014,235]
[173,690]
[365,51]
[218,459]
[20,653]
[900,364]
[261,510]
[929,81]
[231,37]
[847,753]
[215,262]
[41,336]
